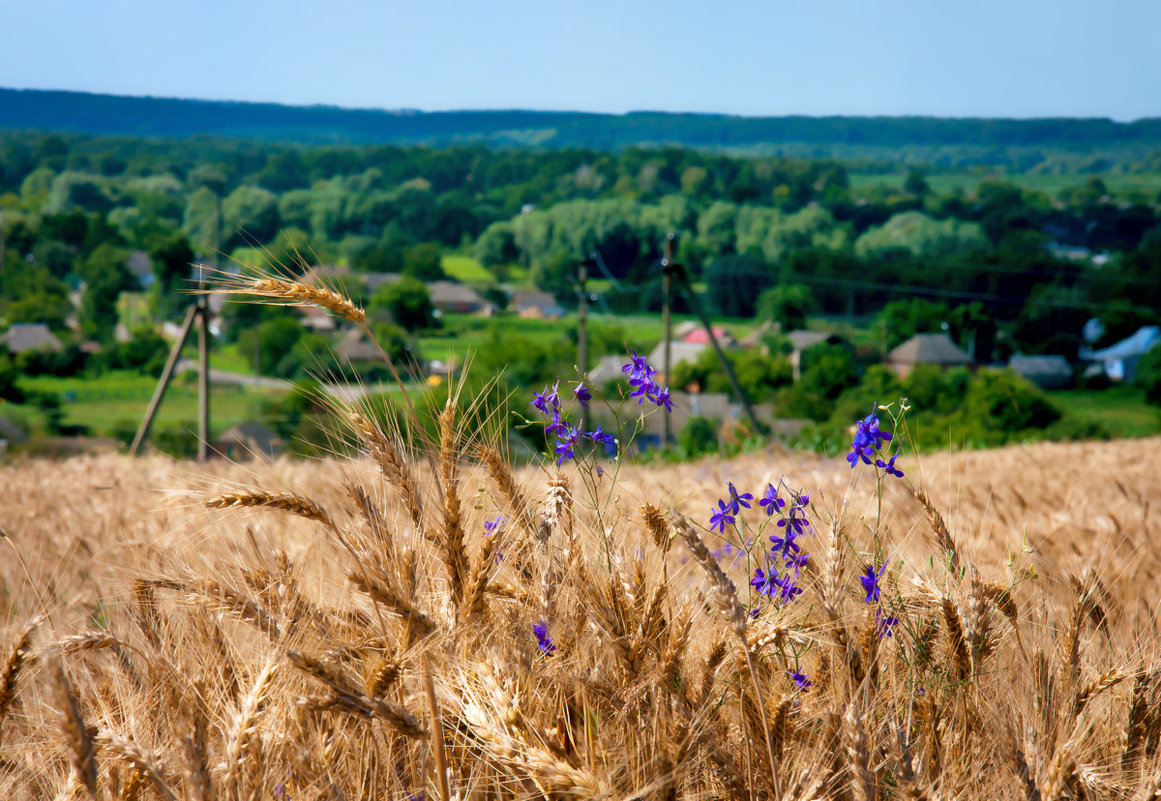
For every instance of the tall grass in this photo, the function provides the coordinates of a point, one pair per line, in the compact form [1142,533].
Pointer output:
[348,629]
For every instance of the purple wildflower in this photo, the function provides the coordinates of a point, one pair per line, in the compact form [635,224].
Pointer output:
[637,366]
[771,502]
[788,590]
[889,466]
[492,526]
[583,395]
[868,439]
[885,624]
[540,400]
[870,582]
[564,447]
[801,680]
[737,501]
[662,399]
[721,517]
[600,437]
[765,583]
[542,639]
[557,426]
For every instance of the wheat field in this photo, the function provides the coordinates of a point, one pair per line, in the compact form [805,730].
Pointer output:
[348,630]
[417,618]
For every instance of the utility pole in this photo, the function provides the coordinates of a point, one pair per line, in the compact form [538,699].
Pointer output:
[582,337]
[666,323]
[759,428]
[203,314]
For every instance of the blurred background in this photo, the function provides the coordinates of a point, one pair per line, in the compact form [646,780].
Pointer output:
[796,210]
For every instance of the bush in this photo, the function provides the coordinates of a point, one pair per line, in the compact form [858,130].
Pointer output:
[758,376]
[1003,401]
[408,303]
[698,437]
[1149,375]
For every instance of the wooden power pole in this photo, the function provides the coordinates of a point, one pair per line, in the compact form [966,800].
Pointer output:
[666,323]
[199,315]
[582,336]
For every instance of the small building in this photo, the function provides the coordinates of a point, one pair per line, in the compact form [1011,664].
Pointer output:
[1120,360]
[11,433]
[532,303]
[140,266]
[375,280]
[358,350]
[699,336]
[937,349]
[802,341]
[247,441]
[608,369]
[1046,372]
[449,296]
[21,337]
[678,352]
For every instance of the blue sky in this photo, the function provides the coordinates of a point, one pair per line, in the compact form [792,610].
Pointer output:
[1017,58]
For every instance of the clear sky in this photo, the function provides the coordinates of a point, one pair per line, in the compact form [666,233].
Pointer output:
[1002,58]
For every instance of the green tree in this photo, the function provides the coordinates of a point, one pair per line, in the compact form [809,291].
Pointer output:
[1149,375]
[106,277]
[922,236]
[407,302]
[249,212]
[916,182]
[902,319]
[422,261]
[9,375]
[733,283]
[272,342]
[172,263]
[496,246]
[787,305]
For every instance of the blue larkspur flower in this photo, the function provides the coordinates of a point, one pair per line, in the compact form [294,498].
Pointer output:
[600,437]
[721,517]
[583,395]
[547,646]
[738,501]
[889,466]
[801,680]
[868,439]
[885,624]
[870,581]
[771,502]
[492,526]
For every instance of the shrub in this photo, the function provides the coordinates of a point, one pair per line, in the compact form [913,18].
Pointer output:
[698,437]
[1003,401]
[1149,374]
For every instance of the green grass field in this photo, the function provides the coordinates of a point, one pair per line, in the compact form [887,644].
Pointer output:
[463,333]
[1122,411]
[110,402]
[466,269]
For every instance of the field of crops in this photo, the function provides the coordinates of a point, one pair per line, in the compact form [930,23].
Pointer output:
[984,627]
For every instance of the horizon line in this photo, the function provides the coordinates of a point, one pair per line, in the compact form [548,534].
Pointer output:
[723,114]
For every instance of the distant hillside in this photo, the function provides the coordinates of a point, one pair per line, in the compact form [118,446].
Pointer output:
[169,118]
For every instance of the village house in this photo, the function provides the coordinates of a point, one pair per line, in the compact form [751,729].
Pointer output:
[450,297]
[534,304]
[937,349]
[1046,372]
[21,337]
[1119,361]
[247,441]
